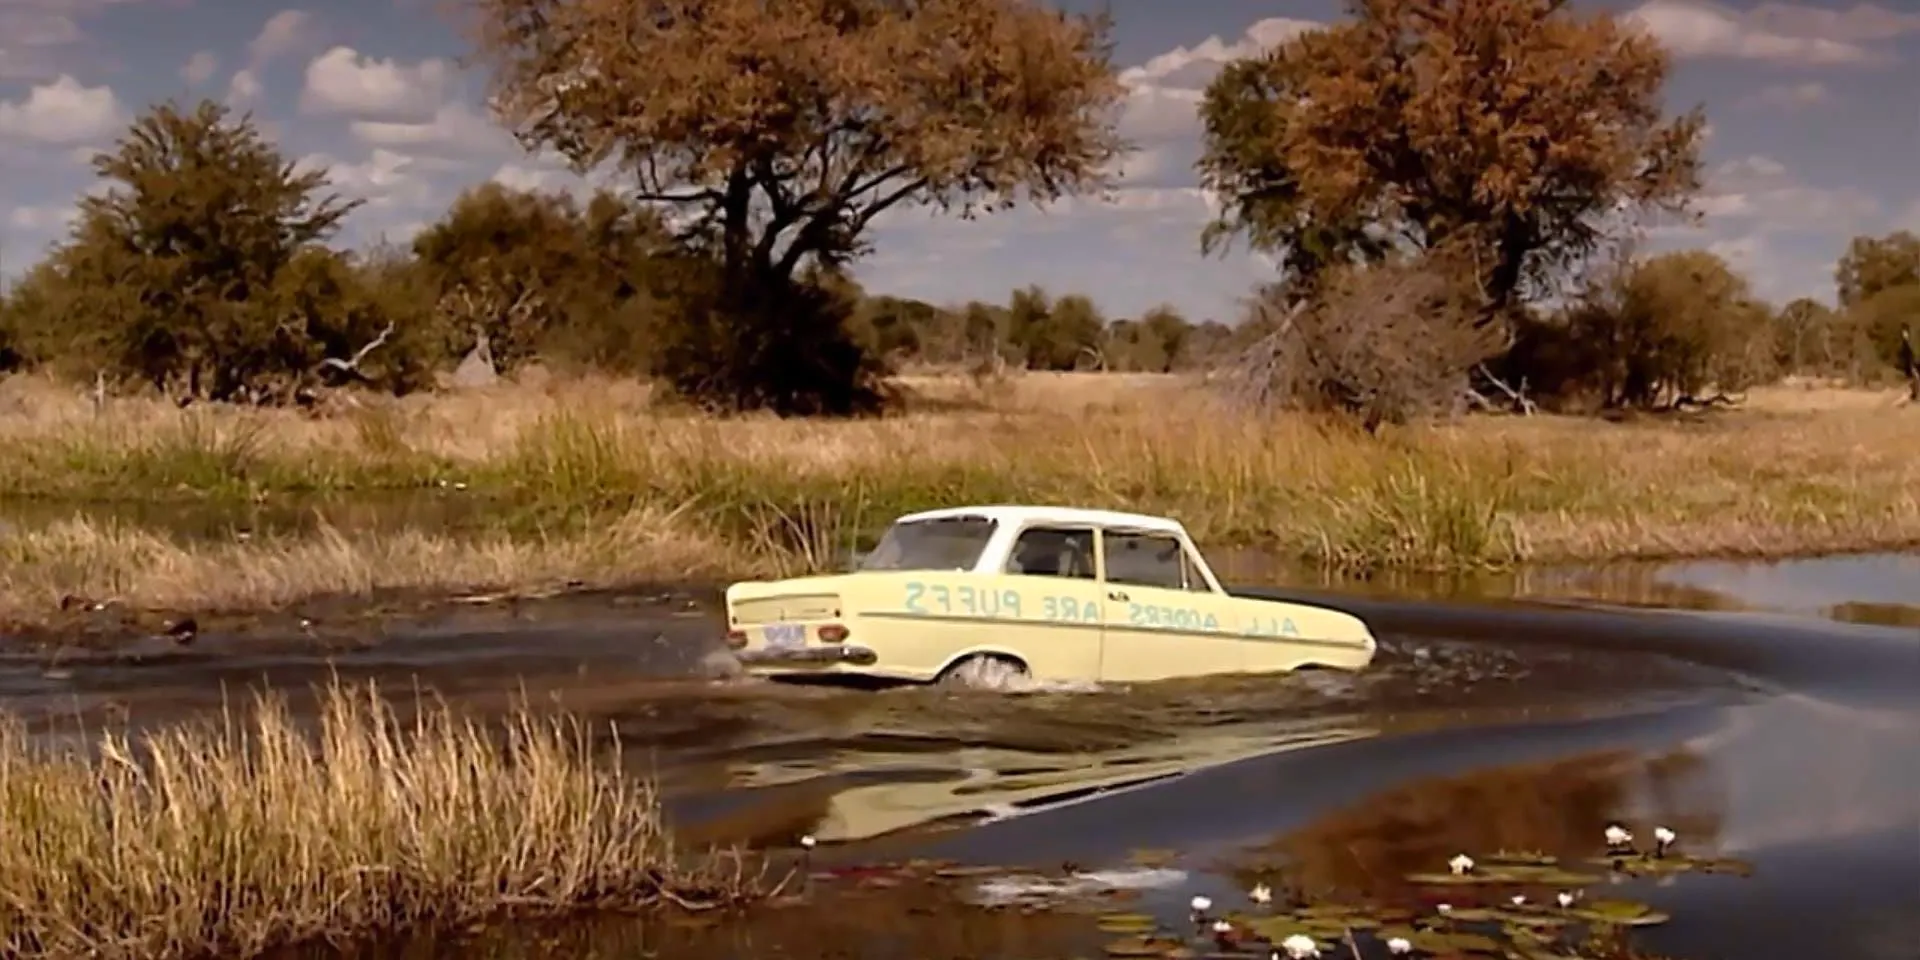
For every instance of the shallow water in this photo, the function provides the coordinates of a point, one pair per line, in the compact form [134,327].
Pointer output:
[1873,588]
[1779,733]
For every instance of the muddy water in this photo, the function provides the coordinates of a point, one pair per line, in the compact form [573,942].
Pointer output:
[1764,724]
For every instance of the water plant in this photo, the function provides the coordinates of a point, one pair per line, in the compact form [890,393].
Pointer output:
[247,832]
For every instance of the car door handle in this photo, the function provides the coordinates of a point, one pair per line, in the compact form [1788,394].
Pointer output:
[1117,595]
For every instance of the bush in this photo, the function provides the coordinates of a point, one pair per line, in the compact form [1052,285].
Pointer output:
[1643,333]
[1379,344]
[786,346]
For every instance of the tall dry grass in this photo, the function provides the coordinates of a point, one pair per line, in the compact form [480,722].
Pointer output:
[243,833]
[1797,470]
[113,563]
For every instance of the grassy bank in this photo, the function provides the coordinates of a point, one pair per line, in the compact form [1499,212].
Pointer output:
[243,834]
[40,568]
[1795,470]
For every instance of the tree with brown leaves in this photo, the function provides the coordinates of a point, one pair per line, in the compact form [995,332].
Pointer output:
[202,270]
[1508,131]
[781,131]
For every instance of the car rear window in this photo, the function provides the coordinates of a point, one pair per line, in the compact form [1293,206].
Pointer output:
[946,543]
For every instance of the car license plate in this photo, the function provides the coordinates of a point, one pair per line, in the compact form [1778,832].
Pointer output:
[785,635]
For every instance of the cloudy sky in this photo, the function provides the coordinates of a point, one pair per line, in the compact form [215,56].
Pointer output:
[1815,111]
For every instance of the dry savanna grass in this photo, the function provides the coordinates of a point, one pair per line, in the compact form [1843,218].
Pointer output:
[1797,468]
[139,568]
[244,833]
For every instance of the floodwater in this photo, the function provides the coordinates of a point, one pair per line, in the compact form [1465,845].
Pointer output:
[1756,709]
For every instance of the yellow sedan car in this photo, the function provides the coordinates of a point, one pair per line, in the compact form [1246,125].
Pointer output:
[1057,594]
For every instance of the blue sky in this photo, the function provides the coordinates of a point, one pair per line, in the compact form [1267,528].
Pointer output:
[1815,112]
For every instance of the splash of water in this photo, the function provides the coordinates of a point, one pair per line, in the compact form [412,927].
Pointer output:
[999,676]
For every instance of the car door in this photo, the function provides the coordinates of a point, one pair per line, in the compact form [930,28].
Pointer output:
[1058,628]
[1163,618]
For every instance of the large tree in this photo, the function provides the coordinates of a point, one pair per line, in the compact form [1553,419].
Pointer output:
[201,267]
[1872,265]
[1509,132]
[782,130]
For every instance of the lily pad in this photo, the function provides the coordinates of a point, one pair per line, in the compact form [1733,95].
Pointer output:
[1127,923]
[1451,879]
[1522,857]
[1450,943]
[1327,910]
[1529,919]
[1622,912]
[1140,947]
[1277,929]
[1545,874]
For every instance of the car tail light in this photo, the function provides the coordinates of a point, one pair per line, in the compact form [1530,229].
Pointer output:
[833,633]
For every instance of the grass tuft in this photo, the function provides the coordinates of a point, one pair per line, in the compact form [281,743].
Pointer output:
[244,833]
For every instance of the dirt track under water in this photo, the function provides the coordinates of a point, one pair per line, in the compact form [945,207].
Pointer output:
[1793,740]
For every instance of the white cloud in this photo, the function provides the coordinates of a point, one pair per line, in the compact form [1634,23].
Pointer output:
[284,33]
[342,81]
[1164,92]
[1862,22]
[1778,33]
[244,88]
[200,68]
[1789,96]
[455,126]
[520,176]
[1192,67]
[1760,191]
[385,179]
[63,112]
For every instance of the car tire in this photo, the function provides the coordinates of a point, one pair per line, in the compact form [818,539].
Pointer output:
[985,672]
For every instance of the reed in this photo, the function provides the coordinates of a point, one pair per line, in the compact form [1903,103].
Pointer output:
[1796,470]
[245,832]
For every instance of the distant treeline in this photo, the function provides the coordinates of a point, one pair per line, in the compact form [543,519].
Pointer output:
[1415,275]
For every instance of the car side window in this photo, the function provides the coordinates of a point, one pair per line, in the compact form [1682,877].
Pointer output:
[1053,552]
[1145,560]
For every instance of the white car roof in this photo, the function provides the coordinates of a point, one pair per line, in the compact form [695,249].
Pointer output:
[1021,515]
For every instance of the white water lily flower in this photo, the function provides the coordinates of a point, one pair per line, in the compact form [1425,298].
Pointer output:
[1565,899]
[1617,836]
[1202,904]
[1399,946]
[1300,947]
[1664,837]
[1222,926]
[1519,899]
[807,841]
[1445,908]
[1260,893]
[1460,864]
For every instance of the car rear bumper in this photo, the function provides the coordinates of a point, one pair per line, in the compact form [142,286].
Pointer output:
[825,656]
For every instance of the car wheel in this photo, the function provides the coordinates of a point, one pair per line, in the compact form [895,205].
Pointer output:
[984,672]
